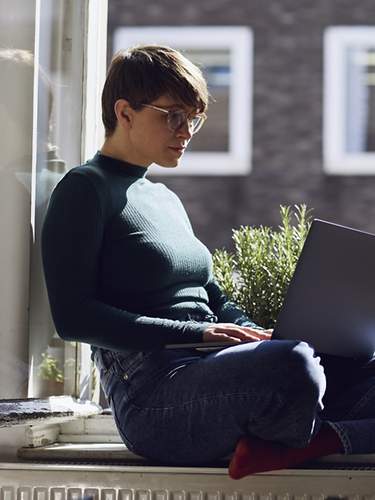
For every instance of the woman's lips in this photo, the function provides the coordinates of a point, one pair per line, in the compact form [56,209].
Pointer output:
[177,149]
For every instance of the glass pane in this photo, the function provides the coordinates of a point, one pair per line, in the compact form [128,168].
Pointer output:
[360,92]
[215,64]
[59,123]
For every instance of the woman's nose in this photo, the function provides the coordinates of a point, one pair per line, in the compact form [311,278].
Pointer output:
[185,131]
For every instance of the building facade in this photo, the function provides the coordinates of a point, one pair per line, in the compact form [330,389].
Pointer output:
[287,116]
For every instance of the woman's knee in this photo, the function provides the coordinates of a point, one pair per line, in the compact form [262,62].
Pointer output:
[306,370]
[295,367]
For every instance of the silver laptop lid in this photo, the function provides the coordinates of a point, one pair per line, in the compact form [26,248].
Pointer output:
[330,302]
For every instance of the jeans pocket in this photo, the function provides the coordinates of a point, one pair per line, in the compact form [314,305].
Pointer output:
[126,365]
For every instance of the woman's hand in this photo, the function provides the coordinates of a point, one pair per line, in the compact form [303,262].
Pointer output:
[229,332]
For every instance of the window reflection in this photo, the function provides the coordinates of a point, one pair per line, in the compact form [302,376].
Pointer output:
[360,92]
[55,367]
[215,65]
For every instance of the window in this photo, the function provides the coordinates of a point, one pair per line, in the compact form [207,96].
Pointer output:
[349,100]
[69,75]
[223,146]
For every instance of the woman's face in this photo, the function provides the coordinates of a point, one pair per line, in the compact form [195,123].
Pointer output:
[151,138]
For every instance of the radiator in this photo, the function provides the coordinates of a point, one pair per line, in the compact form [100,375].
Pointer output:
[38,481]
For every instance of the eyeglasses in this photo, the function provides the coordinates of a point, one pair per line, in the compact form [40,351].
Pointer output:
[177,118]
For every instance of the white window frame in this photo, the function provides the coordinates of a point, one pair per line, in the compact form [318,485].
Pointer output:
[336,159]
[92,135]
[239,41]
[94,76]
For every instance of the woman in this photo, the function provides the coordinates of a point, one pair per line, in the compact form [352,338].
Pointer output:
[126,274]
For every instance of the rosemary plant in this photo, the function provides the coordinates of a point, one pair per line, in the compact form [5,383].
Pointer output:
[257,274]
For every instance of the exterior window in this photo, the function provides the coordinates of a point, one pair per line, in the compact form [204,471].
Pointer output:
[349,100]
[223,145]
[70,69]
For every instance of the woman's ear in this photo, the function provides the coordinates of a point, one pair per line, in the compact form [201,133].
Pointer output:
[125,115]
[123,112]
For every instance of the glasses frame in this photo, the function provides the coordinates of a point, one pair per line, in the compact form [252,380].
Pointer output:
[187,120]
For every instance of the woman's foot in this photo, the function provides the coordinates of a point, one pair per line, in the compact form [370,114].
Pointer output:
[254,455]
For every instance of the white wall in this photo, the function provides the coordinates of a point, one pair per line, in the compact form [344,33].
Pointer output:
[17,30]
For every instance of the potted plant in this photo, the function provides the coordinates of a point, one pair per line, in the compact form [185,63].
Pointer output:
[257,274]
[51,375]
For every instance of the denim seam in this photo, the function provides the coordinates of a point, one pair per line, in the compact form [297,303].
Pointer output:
[120,368]
[202,399]
[120,428]
[127,367]
[192,401]
[360,404]
[343,435]
[107,370]
[106,377]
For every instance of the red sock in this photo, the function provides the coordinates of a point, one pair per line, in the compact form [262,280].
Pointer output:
[256,455]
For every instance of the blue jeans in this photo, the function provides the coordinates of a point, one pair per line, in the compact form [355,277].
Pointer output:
[185,406]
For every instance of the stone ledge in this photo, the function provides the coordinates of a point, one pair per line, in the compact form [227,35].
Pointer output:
[54,409]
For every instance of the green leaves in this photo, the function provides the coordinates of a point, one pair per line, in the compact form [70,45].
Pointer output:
[256,276]
[49,370]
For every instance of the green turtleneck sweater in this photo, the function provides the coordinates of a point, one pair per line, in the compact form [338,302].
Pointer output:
[122,265]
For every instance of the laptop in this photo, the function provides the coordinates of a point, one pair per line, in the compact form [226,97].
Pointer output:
[330,302]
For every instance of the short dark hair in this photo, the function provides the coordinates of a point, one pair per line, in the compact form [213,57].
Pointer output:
[144,73]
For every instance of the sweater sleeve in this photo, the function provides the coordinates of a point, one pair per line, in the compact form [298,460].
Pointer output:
[225,310]
[72,237]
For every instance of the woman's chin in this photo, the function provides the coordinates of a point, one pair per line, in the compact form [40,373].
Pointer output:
[169,163]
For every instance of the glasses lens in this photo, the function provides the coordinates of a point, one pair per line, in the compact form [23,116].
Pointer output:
[196,123]
[176,119]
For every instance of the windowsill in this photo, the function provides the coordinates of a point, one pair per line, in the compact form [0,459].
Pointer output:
[82,452]
[95,440]
[87,434]
[118,454]
[52,410]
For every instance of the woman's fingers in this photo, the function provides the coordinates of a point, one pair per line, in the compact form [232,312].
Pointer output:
[212,334]
[209,336]
[236,333]
[243,331]
[263,334]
